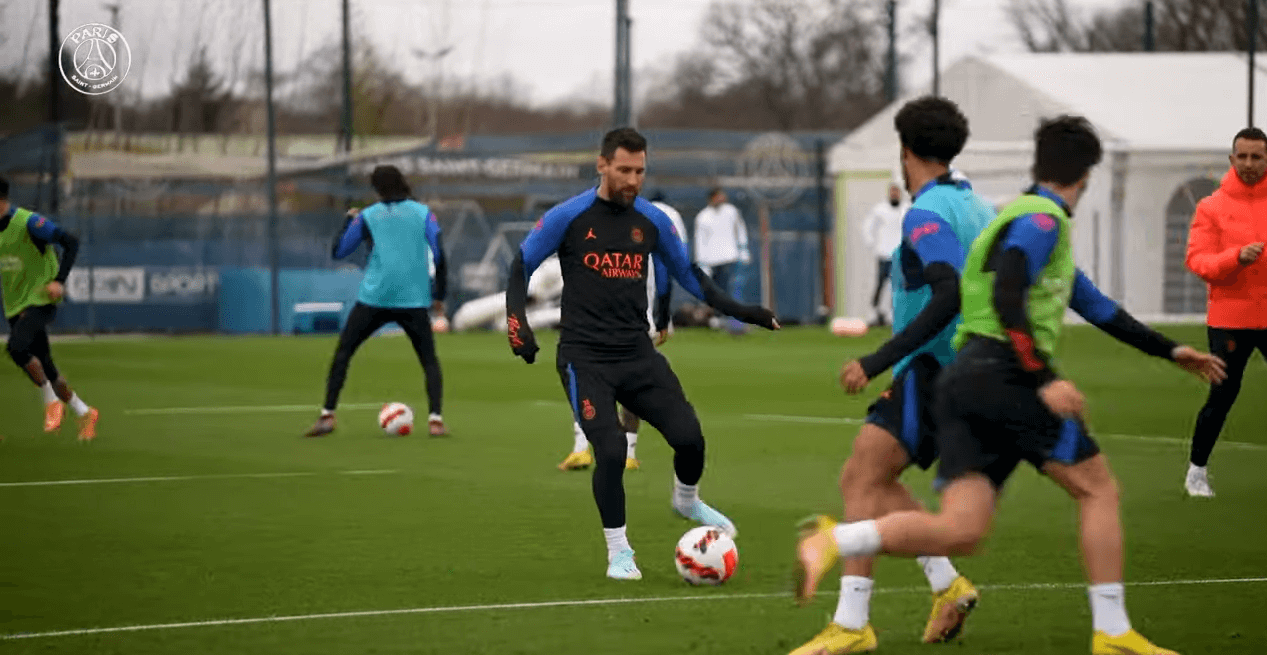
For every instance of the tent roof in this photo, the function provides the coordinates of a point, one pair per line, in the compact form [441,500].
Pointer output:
[1138,101]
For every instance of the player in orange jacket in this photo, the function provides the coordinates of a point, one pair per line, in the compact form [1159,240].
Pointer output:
[1225,248]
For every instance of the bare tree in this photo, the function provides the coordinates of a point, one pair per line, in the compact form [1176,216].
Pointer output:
[1180,25]
[784,64]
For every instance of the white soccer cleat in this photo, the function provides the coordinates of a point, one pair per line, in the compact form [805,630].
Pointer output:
[1198,483]
[622,567]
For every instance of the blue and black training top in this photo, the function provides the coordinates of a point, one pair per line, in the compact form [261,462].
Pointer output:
[605,249]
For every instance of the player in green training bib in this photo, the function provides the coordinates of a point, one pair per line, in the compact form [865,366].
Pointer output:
[32,279]
[1001,401]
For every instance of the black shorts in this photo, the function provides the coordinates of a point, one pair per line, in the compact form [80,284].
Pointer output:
[990,418]
[905,410]
[645,386]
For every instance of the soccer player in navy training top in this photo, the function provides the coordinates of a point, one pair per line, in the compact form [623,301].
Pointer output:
[604,238]
[402,234]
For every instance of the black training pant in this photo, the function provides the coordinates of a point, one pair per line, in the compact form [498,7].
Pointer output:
[363,321]
[882,271]
[28,337]
[647,387]
[1235,347]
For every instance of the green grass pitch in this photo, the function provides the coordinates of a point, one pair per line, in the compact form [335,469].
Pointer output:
[369,524]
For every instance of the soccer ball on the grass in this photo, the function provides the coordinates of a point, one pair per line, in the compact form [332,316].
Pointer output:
[705,555]
[396,419]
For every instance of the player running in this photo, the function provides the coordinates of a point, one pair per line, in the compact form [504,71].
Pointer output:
[33,281]
[403,234]
[604,238]
[1001,402]
[937,231]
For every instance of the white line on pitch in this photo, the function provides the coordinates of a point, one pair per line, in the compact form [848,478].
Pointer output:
[835,420]
[182,478]
[158,411]
[568,603]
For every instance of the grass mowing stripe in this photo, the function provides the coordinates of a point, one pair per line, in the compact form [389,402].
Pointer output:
[1041,586]
[162,411]
[182,478]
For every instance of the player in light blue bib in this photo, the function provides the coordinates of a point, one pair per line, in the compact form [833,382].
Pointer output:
[404,237]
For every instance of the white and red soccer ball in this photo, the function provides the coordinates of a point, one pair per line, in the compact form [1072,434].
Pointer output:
[706,556]
[396,419]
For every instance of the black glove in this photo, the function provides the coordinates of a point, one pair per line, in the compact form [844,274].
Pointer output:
[522,342]
[758,315]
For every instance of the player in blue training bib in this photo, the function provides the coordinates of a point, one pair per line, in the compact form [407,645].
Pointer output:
[404,237]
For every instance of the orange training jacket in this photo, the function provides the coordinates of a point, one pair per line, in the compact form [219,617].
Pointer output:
[1234,216]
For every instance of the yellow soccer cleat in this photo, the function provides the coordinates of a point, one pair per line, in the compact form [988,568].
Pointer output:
[835,640]
[1130,643]
[816,554]
[631,464]
[577,461]
[53,416]
[950,610]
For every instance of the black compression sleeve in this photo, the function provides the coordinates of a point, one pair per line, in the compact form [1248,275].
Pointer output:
[940,311]
[1128,330]
[722,302]
[517,289]
[661,312]
[1010,282]
[440,285]
[70,250]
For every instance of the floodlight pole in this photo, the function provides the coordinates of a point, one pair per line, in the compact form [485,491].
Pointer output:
[273,247]
[622,109]
[933,31]
[890,73]
[54,101]
[1149,27]
[345,131]
[345,141]
[1253,45]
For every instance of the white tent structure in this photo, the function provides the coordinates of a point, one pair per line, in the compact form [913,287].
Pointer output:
[1166,120]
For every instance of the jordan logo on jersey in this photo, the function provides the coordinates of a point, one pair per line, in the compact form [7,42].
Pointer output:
[590,235]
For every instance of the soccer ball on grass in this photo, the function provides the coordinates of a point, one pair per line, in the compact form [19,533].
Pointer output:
[396,419]
[706,556]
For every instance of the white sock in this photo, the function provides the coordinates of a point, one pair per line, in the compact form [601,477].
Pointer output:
[78,405]
[579,442]
[1193,469]
[858,539]
[939,571]
[684,495]
[50,396]
[853,610]
[1108,608]
[326,412]
[632,438]
[435,417]
[617,541]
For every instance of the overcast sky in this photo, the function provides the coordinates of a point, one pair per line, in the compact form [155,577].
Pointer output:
[554,49]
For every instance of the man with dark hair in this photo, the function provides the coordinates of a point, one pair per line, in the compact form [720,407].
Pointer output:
[33,282]
[936,232]
[1000,402]
[581,458]
[1225,248]
[403,235]
[606,238]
